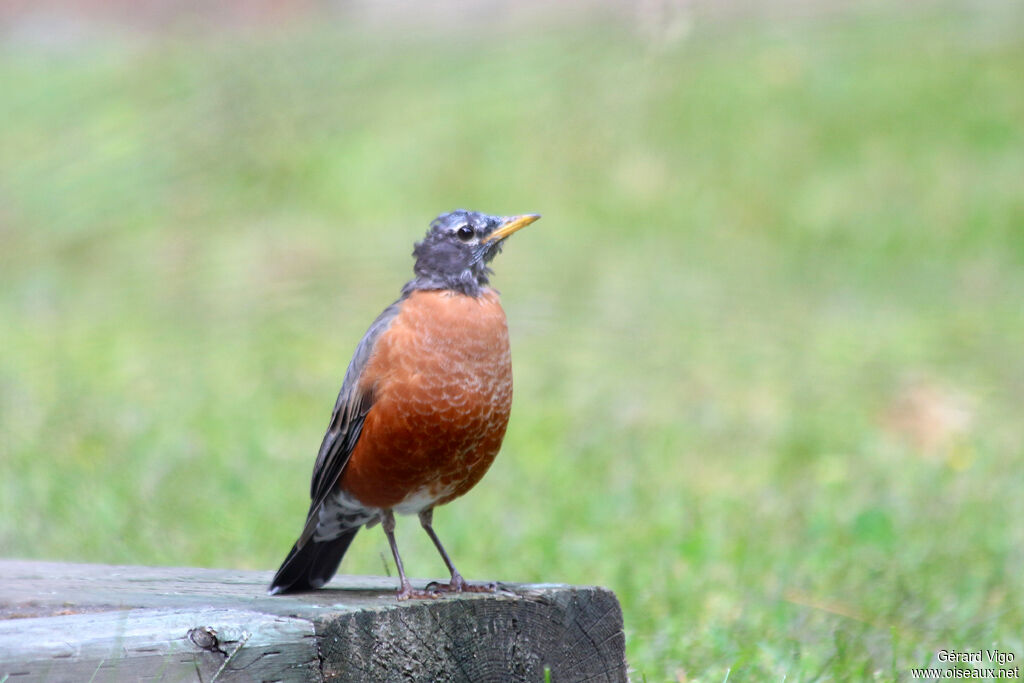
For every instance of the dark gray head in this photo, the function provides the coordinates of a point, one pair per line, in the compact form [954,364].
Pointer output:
[457,248]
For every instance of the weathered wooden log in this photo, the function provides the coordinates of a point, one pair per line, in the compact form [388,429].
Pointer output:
[77,622]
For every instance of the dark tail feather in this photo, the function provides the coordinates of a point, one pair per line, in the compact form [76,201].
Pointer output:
[311,566]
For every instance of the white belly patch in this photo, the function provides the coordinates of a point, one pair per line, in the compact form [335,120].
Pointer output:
[420,500]
[342,512]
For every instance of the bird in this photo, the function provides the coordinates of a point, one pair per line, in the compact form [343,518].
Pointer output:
[422,410]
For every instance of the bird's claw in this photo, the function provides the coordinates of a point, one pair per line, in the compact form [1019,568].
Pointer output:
[481,588]
[460,585]
[410,593]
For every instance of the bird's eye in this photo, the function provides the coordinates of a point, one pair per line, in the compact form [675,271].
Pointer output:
[465,233]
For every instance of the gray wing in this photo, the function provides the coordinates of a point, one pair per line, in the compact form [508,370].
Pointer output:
[350,411]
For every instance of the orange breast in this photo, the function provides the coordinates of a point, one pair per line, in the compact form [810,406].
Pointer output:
[442,386]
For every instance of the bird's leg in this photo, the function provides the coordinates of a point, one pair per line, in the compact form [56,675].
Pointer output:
[406,591]
[457,584]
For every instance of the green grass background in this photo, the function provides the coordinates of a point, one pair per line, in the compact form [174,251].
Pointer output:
[764,241]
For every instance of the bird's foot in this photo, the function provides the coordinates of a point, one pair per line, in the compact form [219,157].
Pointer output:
[460,585]
[407,592]
[491,587]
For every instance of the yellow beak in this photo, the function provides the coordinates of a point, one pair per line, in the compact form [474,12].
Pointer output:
[510,225]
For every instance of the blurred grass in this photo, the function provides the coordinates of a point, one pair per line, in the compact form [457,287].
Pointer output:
[767,337]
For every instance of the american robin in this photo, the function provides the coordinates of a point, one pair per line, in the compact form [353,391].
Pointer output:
[423,407]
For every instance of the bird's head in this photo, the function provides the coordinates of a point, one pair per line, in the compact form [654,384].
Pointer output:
[457,248]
